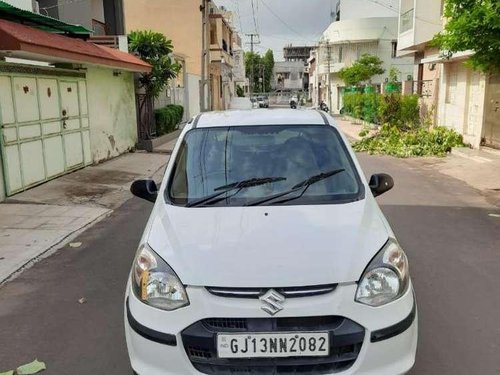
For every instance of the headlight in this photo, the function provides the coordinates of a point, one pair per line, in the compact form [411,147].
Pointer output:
[155,283]
[386,278]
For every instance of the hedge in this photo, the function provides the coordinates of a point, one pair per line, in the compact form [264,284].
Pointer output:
[398,110]
[168,118]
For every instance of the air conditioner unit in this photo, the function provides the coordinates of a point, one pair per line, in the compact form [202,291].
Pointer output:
[36,6]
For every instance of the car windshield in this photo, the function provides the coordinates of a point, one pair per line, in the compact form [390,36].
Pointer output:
[213,158]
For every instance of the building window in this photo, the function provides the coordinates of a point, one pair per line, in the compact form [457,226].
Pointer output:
[220,86]
[394,52]
[341,54]
[406,21]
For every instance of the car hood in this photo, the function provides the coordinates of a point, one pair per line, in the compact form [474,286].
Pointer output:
[268,246]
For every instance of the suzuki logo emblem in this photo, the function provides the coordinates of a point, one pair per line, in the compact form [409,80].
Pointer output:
[272,302]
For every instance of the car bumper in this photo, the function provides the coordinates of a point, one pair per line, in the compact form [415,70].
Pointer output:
[388,345]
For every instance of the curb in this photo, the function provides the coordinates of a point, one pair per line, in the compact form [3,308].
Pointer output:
[53,248]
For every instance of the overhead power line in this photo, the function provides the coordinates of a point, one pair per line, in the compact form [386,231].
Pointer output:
[282,21]
[254,17]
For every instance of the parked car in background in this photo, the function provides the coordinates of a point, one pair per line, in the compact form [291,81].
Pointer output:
[267,253]
[263,101]
[241,103]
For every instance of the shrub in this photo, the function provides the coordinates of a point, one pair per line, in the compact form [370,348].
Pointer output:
[402,111]
[370,107]
[409,115]
[168,118]
[394,141]
[389,109]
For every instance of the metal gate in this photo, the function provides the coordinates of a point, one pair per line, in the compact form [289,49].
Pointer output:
[44,126]
[492,112]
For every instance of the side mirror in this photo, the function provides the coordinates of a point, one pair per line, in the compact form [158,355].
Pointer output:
[145,189]
[381,183]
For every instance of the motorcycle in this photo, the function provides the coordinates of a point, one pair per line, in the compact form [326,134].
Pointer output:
[324,107]
[293,104]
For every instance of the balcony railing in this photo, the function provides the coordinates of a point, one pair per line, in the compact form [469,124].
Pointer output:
[406,21]
[105,40]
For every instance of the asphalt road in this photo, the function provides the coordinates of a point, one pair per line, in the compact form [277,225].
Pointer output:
[452,241]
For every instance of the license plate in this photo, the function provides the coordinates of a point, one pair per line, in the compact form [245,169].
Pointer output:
[271,345]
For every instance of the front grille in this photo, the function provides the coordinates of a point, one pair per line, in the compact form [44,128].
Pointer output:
[226,323]
[288,292]
[346,339]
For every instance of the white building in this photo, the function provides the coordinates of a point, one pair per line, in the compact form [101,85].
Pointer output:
[239,74]
[21,4]
[455,96]
[288,76]
[352,9]
[364,28]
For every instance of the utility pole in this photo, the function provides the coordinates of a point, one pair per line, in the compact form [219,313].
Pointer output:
[262,70]
[317,78]
[252,67]
[263,78]
[205,57]
[329,56]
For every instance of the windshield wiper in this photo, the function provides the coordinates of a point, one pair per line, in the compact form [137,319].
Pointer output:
[304,185]
[221,190]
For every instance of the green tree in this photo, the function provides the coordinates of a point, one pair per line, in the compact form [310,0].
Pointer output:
[472,25]
[268,61]
[252,63]
[362,70]
[261,64]
[155,49]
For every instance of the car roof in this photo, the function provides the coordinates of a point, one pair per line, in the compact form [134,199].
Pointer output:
[260,117]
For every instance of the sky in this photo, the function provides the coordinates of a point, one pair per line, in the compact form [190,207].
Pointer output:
[280,22]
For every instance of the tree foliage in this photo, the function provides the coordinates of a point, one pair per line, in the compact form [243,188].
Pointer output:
[155,49]
[472,25]
[268,61]
[261,64]
[391,140]
[362,70]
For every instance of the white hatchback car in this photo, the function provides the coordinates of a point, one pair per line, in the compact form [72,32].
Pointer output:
[266,253]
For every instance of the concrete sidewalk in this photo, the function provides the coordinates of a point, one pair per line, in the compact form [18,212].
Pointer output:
[479,169]
[350,129]
[38,221]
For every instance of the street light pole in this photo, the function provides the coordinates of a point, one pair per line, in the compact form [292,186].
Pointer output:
[205,57]
[252,67]
[329,56]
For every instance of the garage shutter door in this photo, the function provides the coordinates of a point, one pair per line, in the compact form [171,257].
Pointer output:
[44,128]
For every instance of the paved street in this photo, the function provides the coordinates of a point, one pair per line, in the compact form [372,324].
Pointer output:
[450,232]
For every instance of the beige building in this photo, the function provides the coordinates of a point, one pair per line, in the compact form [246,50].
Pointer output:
[180,21]
[451,94]
[221,59]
